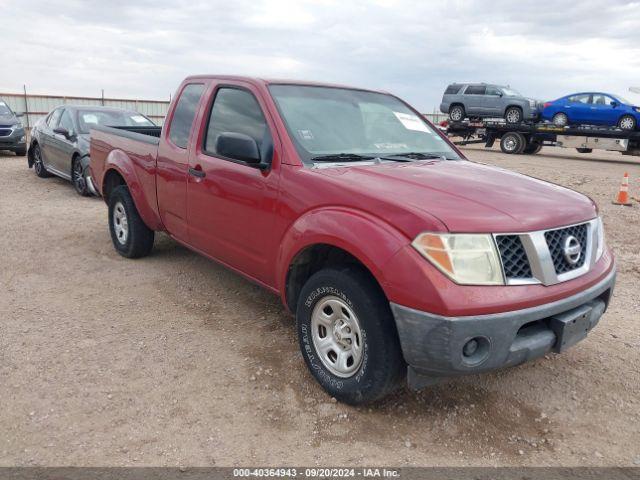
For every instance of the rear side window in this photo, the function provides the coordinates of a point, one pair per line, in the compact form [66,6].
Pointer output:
[452,89]
[184,114]
[236,111]
[475,90]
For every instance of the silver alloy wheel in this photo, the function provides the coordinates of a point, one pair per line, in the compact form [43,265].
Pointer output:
[456,114]
[120,223]
[510,144]
[627,123]
[560,119]
[79,181]
[513,115]
[337,337]
[37,160]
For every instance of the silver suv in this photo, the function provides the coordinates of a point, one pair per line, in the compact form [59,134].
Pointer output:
[482,100]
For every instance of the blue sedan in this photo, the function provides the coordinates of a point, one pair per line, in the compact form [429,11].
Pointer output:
[594,108]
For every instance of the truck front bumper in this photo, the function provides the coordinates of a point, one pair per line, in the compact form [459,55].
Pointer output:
[435,346]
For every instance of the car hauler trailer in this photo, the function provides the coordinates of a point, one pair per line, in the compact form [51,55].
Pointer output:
[531,137]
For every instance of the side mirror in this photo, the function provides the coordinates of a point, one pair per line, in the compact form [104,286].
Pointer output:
[62,131]
[500,94]
[614,104]
[239,146]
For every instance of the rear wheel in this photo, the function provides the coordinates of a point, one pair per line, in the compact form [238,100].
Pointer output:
[348,337]
[457,113]
[38,165]
[513,115]
[129,234]
[584,150]
[560,119]
[627,122]
[78,178]
[512,142]
[532,148]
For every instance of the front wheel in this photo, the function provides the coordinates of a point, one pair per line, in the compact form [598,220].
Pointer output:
[78,178]
[513,115]
[38,164]
[348,337]
[129,234]
[627,122]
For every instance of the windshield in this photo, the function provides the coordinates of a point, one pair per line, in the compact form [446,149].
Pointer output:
[621,100]
[325,121]
[511,92]
[111,118]
[4,110]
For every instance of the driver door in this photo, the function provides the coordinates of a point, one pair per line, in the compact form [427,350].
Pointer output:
[231,203]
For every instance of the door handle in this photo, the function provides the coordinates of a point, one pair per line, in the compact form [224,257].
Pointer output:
[197,172]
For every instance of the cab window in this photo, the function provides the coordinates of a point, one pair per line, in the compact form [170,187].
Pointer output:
[236,111]
[184,114]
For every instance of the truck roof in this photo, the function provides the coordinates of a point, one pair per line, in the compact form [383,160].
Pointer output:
[278,81]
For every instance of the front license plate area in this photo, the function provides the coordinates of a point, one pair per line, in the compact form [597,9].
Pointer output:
[571,327]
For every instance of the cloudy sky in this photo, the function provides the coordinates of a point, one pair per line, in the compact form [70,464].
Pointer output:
[144,48]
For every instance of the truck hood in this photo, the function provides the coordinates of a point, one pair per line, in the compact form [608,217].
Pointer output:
[465,196]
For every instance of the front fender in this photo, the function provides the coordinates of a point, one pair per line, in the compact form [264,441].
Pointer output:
[120,162]
[368,238]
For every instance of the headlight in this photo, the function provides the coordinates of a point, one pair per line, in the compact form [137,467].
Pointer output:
[467,259]
[22,139]
[601,244]
[637,109]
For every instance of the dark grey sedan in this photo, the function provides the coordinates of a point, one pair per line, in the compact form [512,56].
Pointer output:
[60,141]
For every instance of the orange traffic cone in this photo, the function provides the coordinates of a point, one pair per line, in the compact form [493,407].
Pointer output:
[623,193]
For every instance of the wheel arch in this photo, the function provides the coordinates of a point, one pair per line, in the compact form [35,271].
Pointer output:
[119,170]
[331,237]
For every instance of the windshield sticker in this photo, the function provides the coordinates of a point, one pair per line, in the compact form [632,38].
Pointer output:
[305,134]
[391,146]
[411,122]
[139,119]
[90,118]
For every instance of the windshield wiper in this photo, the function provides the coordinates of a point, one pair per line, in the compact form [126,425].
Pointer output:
[342,157]
[413,156]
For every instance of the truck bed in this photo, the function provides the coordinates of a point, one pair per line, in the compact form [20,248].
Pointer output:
[131,151]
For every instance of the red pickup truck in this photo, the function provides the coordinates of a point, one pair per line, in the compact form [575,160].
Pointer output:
[398,257]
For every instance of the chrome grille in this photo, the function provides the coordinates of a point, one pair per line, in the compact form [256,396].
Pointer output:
[555,241]
[515,263]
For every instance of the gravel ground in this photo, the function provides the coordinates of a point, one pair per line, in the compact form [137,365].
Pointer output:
[172,360]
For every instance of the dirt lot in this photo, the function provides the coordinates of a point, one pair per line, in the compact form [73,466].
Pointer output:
[173,360]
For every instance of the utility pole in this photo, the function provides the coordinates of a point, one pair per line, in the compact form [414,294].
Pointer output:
[103,97]
[26,106]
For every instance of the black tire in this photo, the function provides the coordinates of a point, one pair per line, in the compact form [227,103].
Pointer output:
[138,240]
[457,113]
[560,120]
[584,150]
[38,165]
[21,152]
[627,122]
[382,367]
[513,143]
[532,148]
[513,115]
[78,177]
